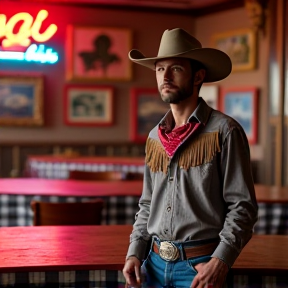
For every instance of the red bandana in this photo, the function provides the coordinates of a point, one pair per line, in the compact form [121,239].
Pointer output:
[172,139]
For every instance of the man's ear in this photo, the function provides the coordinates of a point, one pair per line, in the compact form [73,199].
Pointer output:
[199,76]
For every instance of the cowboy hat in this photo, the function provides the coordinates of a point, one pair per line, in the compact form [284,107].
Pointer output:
[179,43]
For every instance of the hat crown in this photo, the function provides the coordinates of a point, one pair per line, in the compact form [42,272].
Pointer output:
[177,41]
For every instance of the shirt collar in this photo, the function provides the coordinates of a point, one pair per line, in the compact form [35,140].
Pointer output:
[201,115]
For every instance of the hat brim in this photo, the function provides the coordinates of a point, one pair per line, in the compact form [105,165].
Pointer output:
[217,63]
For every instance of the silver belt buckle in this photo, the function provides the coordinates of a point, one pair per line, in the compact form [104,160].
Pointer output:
[168,251]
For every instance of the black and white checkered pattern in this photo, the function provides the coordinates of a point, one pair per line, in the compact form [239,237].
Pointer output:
[64,279]
[60,170]
[256,281]
[115,279]
[272,219]
[15,209]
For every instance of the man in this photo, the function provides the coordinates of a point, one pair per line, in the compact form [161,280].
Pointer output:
[198,206]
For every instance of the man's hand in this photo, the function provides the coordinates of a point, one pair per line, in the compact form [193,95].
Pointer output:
[131,271]
[210,274]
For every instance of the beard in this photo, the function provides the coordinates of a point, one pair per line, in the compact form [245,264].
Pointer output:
[176,96]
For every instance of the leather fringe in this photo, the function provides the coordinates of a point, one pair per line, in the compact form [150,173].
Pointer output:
[156,158]
[199,151]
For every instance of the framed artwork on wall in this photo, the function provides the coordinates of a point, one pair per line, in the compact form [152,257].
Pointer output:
[88,105]
[210,94]
[147,109]
[240,45]
[21,100]
[242,105]
[98,53]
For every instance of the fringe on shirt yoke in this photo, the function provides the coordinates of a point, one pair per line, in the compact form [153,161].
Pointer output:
[198,151]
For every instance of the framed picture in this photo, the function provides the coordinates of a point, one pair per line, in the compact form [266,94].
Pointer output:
[98,53]
[241,104]
[210,94]
[147,109]
[88,105]
[21,100]
[240,45]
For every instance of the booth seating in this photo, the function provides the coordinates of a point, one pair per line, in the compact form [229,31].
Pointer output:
[67,213]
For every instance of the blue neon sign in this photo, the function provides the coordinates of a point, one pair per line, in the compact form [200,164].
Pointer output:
[33,53]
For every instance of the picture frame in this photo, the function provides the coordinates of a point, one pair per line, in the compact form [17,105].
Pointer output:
[210,94]
[98,53]
[90,105]
[147,109]
[21,100]
[240,45]
[242,105]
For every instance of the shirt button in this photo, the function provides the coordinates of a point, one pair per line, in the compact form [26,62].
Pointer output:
[171,179]
[168,208]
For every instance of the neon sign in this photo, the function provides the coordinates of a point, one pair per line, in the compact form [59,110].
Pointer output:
[29,28]
[33,53]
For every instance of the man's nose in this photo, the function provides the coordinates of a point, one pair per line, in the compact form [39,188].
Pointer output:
[167,75]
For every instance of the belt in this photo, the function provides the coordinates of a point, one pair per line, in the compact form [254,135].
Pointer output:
[169,252]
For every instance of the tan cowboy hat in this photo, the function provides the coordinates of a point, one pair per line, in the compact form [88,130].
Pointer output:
[179,43]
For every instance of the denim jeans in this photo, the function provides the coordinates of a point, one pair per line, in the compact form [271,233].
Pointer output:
[158,273]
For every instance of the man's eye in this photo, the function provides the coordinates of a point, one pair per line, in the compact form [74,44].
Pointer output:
[177,68]
[159,69]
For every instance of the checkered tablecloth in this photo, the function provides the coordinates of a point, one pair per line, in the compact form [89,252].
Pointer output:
[60,170]
[115,279]
[64,279]
[15,209]
[272,219]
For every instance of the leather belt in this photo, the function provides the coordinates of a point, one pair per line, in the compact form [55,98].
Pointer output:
[169,252]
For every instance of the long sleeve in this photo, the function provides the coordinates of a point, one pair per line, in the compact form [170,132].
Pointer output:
[239,194]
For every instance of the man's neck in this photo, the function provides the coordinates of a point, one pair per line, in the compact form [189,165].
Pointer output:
[183,110]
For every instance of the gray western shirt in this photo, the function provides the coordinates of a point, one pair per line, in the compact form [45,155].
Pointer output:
[204,191]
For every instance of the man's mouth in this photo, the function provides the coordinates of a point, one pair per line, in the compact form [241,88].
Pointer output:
[167,86]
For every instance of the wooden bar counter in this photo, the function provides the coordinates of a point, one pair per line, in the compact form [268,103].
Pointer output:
[44,248]
[52,249]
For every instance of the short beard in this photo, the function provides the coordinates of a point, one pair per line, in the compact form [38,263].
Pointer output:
[177,97]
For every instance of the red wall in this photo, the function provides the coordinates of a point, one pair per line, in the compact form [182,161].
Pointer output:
[146,28]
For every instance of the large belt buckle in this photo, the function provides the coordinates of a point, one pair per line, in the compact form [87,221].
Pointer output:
[168,251]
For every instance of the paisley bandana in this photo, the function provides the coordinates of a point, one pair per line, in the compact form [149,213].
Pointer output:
[172,139]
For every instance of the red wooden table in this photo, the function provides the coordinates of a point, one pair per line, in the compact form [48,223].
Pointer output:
[43,248]
[271,194]
[67,187]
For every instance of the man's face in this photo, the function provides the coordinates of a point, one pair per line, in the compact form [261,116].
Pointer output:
[174,79]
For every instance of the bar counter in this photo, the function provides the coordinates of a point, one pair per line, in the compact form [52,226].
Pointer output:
[95,255]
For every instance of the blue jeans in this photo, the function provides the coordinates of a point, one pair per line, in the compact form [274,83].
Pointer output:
[158,273]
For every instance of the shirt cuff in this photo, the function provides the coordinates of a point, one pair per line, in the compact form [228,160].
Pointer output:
[138,249]
[226,253]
